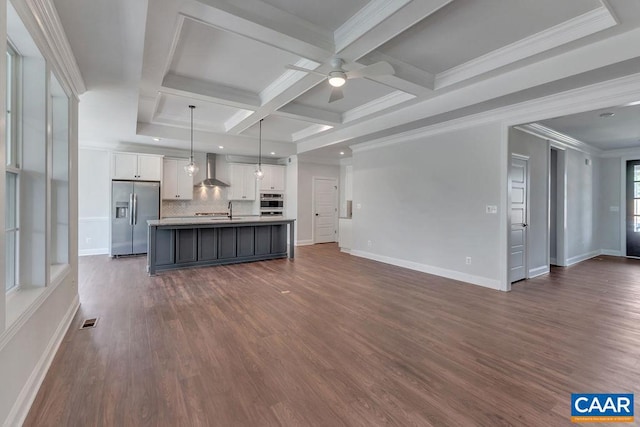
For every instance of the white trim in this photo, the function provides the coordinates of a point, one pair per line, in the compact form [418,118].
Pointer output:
[600,95]
[58,45]
[623,152]
[442,272]
[96,251]
[610,252]
[364,20]
[22,405]
[560,139]
[573,29]
[345,250]
[538,271]
[382,103]
[583,257]
[304,242]
[309,131]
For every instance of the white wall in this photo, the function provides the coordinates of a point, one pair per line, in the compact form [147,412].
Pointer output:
[291,193]
[423,204]
[93,201]
[537,150]
[306,172]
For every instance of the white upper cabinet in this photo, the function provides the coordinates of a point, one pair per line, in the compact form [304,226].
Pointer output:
[242,182]
[274,178]
[176,184]
[143,167]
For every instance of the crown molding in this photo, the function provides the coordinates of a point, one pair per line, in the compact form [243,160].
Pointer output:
[612,92]
[379,104]
[560,138]
[622,152]
[64,62]
[366,18]
[581,26]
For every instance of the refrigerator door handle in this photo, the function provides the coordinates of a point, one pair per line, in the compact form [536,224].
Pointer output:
[135,209]
[131,208]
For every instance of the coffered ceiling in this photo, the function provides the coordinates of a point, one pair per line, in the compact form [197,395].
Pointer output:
[229,59]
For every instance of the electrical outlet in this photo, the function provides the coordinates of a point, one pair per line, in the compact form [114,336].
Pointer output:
[467,260]
[369,244]
[492,209]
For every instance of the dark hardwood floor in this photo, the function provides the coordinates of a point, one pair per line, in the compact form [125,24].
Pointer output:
[352,343]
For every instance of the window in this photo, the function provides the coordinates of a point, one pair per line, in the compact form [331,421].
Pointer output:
[636,198]
[12,174]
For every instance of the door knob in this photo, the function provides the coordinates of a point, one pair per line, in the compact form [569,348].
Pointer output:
[317,214]
[524,225]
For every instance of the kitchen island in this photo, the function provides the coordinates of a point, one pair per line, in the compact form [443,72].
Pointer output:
[202,241]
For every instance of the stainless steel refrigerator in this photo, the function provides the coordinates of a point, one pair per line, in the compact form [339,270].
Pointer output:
[133,203]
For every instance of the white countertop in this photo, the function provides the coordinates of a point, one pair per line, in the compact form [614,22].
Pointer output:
[199,220]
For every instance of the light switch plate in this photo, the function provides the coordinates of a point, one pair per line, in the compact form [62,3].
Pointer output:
[492,209]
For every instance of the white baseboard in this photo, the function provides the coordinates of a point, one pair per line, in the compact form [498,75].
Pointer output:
[610,252]
[304,242]
[27,395]
[345,250]
[538,271]
[98,251]
[553,261]
[579,258]
[450,274]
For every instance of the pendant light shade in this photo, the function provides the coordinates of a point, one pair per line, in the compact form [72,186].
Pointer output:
[191,169]
[258,173]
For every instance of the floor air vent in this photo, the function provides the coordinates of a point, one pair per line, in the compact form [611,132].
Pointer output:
[89,323]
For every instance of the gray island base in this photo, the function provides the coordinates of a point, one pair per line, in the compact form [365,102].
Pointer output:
[182,243]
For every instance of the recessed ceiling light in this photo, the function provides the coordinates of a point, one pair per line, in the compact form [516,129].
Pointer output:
[342,153]
[607,114]
[221,147]
[273,153]
[156,139]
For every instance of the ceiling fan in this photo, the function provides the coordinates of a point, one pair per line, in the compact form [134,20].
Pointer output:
[337,77]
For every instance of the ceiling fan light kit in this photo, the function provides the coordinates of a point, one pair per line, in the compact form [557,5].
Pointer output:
[337,77]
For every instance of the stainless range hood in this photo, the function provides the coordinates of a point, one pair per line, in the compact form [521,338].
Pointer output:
[211,180]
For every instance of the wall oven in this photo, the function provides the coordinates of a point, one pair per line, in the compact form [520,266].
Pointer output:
[271,204]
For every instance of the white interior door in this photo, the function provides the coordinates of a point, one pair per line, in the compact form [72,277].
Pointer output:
[325,209]
[518,240]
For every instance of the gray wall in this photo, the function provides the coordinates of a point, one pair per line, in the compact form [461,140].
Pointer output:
[423,203]
[537,231]
[93,201]
[553,205]
[306,172]
[610,200]
[582,206]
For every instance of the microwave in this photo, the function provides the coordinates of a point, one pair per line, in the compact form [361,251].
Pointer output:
[271,204]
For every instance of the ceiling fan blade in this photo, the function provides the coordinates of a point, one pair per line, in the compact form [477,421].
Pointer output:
[336,94]
[305,70]
[378,69]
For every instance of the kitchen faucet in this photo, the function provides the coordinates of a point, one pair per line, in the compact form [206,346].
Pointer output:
[230,207]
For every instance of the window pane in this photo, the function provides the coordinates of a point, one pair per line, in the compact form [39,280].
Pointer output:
[636,190]
[11,209]
[636,173]
[59,175]
[11,202]
[9,147]
[10,272]
[636,207]
[636,224]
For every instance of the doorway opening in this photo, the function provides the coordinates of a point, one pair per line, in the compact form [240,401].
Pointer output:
[557,207]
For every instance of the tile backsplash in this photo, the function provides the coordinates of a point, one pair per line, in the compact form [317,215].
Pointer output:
[207,199]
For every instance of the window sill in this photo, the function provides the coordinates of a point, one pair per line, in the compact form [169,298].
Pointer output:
[24,301]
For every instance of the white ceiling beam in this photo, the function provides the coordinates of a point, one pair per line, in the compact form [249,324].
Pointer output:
[260,21]
[309,114]
[278,101]
[210,92]
[406,78]
[378,22]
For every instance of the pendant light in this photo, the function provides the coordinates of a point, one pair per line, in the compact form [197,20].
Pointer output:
[259,174]
[191,169]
